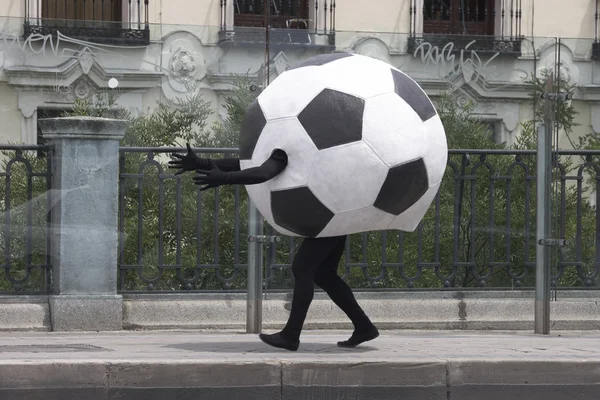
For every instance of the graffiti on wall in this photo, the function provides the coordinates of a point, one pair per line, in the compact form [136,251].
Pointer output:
[182,62]
[467,64]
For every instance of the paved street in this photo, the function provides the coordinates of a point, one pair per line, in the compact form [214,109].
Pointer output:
[233,365]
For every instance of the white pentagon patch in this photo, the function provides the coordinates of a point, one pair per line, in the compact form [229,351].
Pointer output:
[287,95]
[347,177]
[354,222]
[393,130]
[288,135]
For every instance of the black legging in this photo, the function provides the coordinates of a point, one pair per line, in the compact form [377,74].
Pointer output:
[317,261]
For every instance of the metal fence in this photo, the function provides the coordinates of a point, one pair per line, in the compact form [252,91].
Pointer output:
[478,234]
[25,202]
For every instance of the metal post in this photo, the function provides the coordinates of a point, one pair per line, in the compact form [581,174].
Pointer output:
[542,275]
[255,271]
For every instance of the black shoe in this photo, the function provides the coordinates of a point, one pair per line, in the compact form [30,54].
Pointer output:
[360,337]
[276,340]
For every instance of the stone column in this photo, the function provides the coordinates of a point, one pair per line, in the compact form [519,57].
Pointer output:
[84,244]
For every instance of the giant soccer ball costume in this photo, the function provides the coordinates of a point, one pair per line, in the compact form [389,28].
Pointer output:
[366,148]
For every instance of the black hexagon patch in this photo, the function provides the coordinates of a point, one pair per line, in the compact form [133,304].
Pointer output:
[252,127]
[413,95]
[403,186]
[333,118]
[299,211]
[321,59]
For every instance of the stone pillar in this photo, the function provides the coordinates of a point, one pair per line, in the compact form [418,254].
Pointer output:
[84,244]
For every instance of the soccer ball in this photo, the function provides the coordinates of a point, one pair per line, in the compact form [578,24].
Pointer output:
[366,148]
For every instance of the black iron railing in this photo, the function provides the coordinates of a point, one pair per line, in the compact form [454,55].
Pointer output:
[479,232]
[116,22]
[26,200]
[448,45]
[174,237]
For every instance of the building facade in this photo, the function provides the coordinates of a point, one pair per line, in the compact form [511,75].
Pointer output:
[484,51]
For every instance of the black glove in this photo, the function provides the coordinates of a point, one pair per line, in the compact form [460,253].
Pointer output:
[187,162]
[227,171]
[211,178]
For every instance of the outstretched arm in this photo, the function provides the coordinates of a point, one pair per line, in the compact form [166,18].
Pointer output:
[191,162]
[214,177]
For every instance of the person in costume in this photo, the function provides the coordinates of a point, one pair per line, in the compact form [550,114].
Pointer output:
[316,261]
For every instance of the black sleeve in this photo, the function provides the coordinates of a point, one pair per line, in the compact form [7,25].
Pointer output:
[224,164]
[272,167]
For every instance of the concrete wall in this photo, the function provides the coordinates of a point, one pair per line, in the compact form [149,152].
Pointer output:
[367,15]
[509,310]
[566,19]
[10,115]
[185,12]
[12,8]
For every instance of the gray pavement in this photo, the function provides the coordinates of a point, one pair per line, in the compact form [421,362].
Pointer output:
[233,365]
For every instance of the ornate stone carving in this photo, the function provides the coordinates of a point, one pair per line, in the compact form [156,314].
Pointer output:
[86,60]
[281,62]
[568,70]
[28,103]
[182,65]
[82,89]
[372,47]
[184,60]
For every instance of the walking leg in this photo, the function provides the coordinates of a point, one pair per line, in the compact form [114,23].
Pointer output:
[310,255]
[326,278]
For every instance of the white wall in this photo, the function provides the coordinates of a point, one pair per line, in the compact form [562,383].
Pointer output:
[10,115]
[185,12]
[564,18]
[12,8]
[373,15]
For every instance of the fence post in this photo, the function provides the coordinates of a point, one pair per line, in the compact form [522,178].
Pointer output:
[255,271]
[543,202]
[84,230]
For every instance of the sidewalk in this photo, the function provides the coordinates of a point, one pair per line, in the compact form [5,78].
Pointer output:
[232,365]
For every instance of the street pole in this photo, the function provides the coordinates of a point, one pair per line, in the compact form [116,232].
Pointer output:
[255,220]
[543,206]
[255,271]
[542,260]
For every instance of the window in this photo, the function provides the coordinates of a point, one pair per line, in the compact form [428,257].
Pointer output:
[458,17]
[114,22]
[251,13]
[82,10]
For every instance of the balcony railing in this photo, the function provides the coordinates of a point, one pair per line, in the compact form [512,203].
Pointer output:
[483,45]
[115,22]
[472,28]
[291,23]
